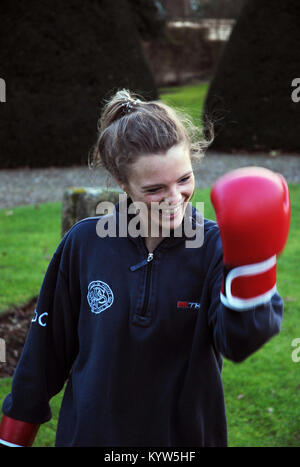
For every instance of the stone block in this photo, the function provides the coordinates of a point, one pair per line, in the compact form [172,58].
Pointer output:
[81,202]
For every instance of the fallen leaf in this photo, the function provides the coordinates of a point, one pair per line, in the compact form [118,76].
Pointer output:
[289,299]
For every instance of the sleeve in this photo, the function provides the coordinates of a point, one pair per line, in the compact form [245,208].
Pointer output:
[238,334]
[49,350]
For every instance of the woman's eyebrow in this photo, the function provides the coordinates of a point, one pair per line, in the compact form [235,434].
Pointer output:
[145,187]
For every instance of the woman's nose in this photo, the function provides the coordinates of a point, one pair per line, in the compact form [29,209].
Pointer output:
[173,196]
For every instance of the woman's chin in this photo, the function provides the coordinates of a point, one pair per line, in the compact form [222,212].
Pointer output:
[171,222]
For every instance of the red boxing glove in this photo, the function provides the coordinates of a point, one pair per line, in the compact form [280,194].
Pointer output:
[252,206]
[15,433]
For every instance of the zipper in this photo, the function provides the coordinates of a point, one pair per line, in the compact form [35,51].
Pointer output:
[146,261]
[148,274]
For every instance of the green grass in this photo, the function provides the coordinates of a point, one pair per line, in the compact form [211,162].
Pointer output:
[188,99]
[262,393]
[28,238]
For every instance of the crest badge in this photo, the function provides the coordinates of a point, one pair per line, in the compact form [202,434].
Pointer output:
[99,296]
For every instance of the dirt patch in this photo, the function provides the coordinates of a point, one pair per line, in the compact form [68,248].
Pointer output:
[14,325]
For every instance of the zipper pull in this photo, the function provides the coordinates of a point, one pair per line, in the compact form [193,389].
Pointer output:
[142,263]
[150,257]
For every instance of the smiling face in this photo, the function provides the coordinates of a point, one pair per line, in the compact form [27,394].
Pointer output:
[165,184]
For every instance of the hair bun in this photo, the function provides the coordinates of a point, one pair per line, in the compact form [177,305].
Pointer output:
[123,103]
[130,105]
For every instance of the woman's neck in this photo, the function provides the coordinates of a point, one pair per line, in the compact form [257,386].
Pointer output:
[152,243]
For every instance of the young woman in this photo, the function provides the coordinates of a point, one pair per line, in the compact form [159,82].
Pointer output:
[136,325]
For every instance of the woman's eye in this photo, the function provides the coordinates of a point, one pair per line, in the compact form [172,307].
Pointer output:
[156,190]
[185,179]
[153,190]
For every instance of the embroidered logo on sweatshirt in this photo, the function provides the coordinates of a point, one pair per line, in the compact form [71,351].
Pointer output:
[99,296]
[188,305]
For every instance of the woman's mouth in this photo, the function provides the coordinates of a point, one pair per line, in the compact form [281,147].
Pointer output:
[172,212]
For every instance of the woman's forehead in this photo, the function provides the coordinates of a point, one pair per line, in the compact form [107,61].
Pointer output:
[158,168]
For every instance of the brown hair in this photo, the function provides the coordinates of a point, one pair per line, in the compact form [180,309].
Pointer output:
[130,127]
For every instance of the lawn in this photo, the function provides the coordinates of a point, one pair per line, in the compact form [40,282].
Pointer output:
[188,99]
[28,237]
[262,394]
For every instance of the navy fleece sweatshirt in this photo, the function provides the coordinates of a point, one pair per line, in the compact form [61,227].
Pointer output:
[138,343]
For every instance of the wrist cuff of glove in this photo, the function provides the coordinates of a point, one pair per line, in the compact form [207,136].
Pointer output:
[250,285]
[15,433]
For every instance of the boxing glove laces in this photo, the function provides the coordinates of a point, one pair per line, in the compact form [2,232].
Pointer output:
[252,206]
